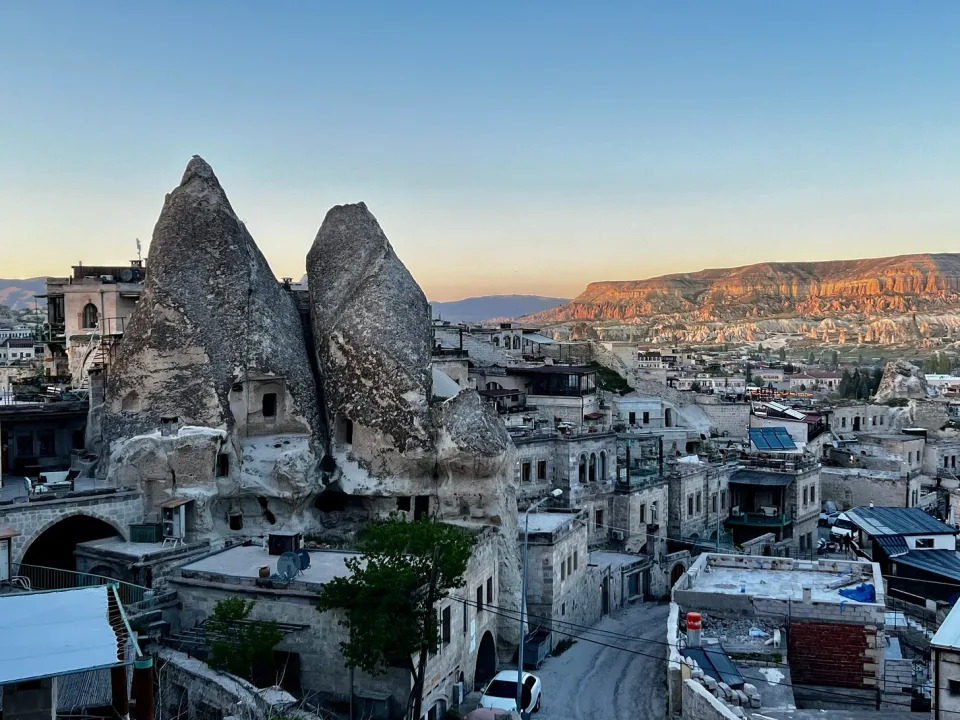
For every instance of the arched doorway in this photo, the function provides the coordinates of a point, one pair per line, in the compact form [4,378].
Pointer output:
[54,547]
[486,661]
[675,574]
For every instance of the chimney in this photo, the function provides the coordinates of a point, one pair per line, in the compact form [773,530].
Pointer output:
[807,592]
[693,629]
[169,425]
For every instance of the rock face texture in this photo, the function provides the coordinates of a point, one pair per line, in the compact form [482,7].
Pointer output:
[211,312]
[371,325]
[737,304]
[901,379]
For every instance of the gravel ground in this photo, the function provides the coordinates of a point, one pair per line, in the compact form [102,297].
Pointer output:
[591,682]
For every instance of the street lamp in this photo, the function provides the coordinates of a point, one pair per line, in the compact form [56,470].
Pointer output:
[555,493]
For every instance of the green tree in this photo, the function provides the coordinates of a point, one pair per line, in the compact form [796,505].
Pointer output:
[834,358]
[389,600]
[810,358]
[843,388]
[782,354]
[238,644]
[761,350]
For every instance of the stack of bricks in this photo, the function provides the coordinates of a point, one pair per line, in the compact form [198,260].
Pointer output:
[838,654]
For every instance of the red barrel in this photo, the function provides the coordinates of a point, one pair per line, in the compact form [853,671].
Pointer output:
[693,621]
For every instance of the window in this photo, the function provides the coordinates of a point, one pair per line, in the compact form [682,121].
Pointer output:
[563,613]
[689,505]
[541,470]
[843,422]
[603,465]
[699,505]
[78,442]
[953,686]
[804,497]
[873,419]
[643,512]
[403,503]
[516,342]
[598,519]
[654,515]
[445,625]
[633,585]
[563,571]
[881,419]
[269,405]
[803,542]
[569,564]
[465,617]
[813,493]
[946,463]
[525,472]
[48,442]
[723,499]
[236,521]
[713,502]
[576,556]
[24,444]
[346,430]
[489,591]
[90,316]
[593,467]
[924,543]
[223,465]
[479,599]
[646,418]
[633,418]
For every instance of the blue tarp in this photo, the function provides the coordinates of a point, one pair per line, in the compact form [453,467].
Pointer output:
[864,592]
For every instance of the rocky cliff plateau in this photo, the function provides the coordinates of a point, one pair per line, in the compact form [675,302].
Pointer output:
[902,299]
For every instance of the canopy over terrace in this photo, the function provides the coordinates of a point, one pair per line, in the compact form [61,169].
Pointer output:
[47,634]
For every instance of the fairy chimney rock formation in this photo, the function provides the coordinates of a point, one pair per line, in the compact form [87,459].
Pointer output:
[371,324]
[214,333]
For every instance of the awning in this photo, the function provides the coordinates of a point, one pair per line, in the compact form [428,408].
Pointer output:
[758,477]
[945,563]
[893,545]
[46,634]
[537,338]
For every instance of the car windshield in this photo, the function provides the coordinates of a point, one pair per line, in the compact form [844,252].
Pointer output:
[502,689]
[845,525]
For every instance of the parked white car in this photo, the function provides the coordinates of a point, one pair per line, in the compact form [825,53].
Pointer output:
[842,527]
[501,692]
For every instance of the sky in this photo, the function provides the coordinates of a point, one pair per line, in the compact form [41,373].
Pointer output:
[504,147]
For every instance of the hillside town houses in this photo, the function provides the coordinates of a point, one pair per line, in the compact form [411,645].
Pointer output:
[784,527]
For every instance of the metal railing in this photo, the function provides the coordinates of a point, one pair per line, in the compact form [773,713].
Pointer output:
[760,519]
[38,577]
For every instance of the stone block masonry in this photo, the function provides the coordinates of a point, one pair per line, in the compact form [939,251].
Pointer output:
[699,704]
[833,654]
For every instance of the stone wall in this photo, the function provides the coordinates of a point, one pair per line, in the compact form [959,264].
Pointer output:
[897,688]
[726,419]
[931,414]
[856,487]
[119,509]
[700,704]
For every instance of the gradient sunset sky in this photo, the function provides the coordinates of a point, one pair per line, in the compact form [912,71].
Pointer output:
[504,147]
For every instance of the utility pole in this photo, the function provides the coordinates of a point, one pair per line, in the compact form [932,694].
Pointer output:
[428,619]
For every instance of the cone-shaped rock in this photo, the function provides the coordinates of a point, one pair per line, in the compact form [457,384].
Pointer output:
[371,325]
[213,323]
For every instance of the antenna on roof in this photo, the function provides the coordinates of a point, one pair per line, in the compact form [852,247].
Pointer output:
[139,257]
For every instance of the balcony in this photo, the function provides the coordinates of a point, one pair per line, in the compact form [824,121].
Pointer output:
[759,519]
[779,463]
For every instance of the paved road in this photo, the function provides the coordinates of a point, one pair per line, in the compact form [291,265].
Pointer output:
[591,682]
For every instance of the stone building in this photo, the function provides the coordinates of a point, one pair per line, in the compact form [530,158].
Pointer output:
[87,313]
[560,587]
[468,624]
[699,501]
[852,486]
[860,417]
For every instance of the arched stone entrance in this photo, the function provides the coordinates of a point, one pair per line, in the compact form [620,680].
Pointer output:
[676,572]
[486,661]
[54,547]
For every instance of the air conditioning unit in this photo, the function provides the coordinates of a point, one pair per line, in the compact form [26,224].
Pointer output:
[174,522]
[616,534]
[284,542]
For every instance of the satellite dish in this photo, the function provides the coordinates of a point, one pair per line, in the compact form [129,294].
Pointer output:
[304,556]
[126,275]
[288,566]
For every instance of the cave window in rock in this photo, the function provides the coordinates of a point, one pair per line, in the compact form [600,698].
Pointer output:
[421,507]
[345,431]
[90,316]
[403,503]
[266,512]
[593,467]
[223,465]
[582,471]
[668,417]
[269,405]
[236,521]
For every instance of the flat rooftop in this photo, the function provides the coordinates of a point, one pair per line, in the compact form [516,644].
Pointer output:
[547,522]
[134,550]
[780,578]
[615,559]
[244,563]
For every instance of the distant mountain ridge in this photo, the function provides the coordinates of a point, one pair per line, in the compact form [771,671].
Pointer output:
[19,293]
[489,307]
[894,284]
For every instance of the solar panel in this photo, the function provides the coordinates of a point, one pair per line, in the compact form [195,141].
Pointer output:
[772,438]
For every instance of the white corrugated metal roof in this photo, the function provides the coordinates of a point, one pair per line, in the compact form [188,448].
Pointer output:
[948,636]
[55,633]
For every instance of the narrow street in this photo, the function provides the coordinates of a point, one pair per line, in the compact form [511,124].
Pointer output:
[592,682]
